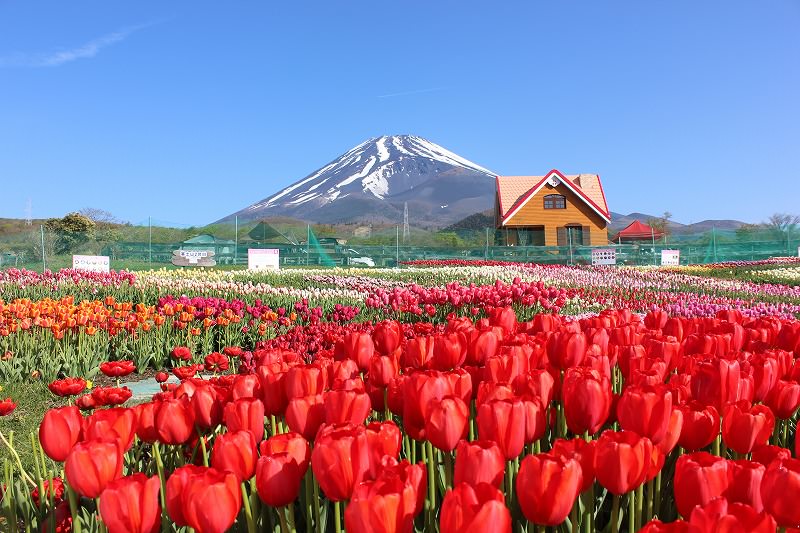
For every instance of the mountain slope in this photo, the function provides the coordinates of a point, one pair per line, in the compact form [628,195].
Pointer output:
[373,181]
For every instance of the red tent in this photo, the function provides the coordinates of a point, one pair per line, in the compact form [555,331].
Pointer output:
[638,231]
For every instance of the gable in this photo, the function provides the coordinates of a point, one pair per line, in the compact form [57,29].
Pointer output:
[514,192]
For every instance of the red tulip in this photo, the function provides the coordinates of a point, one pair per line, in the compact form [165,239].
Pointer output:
[273,388]
[482,345]
[161,376]
[621,460]
[745,426]
[700,425]
[387,336]
[387,504]
[645,410]
[59,430]
[346,406]
[784,399]
[503,317]
[479,509]
[587,400]
[305,415]
[357,346]
[479,461]
[174,421]
[447,422]
[115,423]
[292,443]
[92,465]
[246,386]
[503,421]
[246,414]
[176,486]
[745,483]
[383,439]
[235,452]
[131,505]
[417,353]
[278,478]
[581,450]
[340,459]
[719,516]
[547,486]
[382,369]
[767,453]
[566,349]
[699,478]
[207,407]
[305,380]
[419,388]
[535,423]
[67,386]
[449,350]
[209,500]
[116,369]
[781,482]
[657,526]
[146,421]
[216,362]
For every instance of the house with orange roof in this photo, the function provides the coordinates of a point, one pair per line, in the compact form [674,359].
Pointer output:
[551,210]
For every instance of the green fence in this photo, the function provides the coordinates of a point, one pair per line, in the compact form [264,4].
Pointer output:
[153,245]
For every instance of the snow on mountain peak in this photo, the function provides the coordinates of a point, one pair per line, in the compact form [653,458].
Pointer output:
[379,167]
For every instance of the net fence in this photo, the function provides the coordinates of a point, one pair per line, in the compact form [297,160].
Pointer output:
[156,244]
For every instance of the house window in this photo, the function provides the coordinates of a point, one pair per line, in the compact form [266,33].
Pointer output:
[555,201]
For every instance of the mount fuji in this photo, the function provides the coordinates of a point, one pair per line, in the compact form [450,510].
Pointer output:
[372,183]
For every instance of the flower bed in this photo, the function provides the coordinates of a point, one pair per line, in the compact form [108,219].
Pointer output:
[615,421]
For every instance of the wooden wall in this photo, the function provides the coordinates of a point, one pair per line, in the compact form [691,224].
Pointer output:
[577,212]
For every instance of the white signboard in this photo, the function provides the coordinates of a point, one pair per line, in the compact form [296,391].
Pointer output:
[604,256]
[670,257]
[92,263]
[263,259]
[203,258]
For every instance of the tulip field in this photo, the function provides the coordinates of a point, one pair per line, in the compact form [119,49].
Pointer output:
[444,396]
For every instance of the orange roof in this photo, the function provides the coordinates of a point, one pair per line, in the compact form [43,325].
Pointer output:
[514,191]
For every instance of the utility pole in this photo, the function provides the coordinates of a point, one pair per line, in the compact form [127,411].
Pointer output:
[406,229]
[150,240]
[397,247]
[44,261]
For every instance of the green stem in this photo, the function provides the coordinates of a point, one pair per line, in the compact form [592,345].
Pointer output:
[615,515]
[290,512]
[248,512]
[650,493]
[16,456]
[573,517]
[428,447]
[639,506]
[317,512]
[631,512]
[448,469]
[657,498]
[337,516]
[163,494]
[282,518]
[73,507]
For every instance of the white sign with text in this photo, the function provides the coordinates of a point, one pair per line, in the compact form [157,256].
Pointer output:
[263,259]
[91,263]
[670,257]
[604,256]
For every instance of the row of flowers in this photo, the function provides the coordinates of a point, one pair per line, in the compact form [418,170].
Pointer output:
[615,421]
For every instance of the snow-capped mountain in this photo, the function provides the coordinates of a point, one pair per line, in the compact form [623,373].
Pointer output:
[373,181]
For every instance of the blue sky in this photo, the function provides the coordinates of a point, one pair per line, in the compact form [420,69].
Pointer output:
[188,111]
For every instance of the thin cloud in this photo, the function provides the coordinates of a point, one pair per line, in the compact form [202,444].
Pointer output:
[417,91]
[61,57]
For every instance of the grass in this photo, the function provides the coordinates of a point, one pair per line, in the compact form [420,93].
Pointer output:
[33,399]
